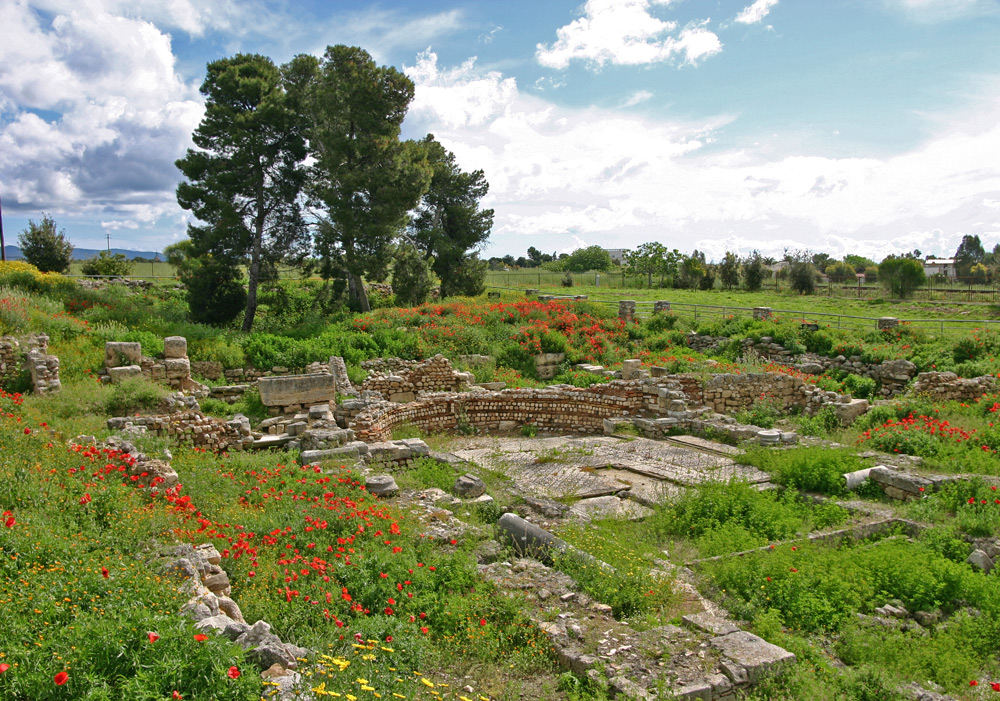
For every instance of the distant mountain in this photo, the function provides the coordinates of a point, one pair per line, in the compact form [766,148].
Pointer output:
[14,253]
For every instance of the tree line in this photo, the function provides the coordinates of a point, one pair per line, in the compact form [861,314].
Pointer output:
[303,165]
[802,270]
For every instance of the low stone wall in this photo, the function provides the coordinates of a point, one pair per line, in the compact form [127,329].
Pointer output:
[10,359]
[894,376]
[31,355]
[192,427]
[432,375]
[124,359]
[564,409]
[947,386]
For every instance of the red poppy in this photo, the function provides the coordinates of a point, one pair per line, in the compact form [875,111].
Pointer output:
[104,572]
[995,686]
[176,695]
[61,678]
[153,637]
[233,673]
[423,630]
[200,637]
[85,499]
[973,683]
[4,667]
[9,522]
[27,431]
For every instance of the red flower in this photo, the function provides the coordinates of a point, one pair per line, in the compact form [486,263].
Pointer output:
[423,630]
[27,432]
[104,572]
[233,673]
[482,621]
[4,667]
[153,637]
[995,686]
[973,683]
[85,499]
[200,637]
[61,678]
[176,695]
[9,522]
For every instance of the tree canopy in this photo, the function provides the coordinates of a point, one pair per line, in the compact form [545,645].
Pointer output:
[44,247]
[245,178]
[366,178]
[901,276]
[449,225]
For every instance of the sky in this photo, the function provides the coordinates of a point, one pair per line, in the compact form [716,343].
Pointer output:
[844,126]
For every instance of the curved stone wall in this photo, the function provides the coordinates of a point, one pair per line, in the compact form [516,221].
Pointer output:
[560,409]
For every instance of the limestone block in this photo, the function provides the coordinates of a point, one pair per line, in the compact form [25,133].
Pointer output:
[123,372]
[177,368]
[754,654]
[297,389]
[175,347]
[122,353]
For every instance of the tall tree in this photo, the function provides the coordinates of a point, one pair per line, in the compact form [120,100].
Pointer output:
[647,259]
[729,270]
[449,224]
[969,252]
[245,178]
[754,271]
[44,247]
[364,176]
[901,276]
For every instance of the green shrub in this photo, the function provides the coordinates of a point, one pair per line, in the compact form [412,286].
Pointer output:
[812,469]
[762,413]
[660,322]
[822,423]
[132,395]
[108,264]
[861,387]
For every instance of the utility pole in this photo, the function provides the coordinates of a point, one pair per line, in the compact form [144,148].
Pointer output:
[3,249]
[109,241]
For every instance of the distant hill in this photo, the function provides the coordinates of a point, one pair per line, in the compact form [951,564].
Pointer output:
[14,253]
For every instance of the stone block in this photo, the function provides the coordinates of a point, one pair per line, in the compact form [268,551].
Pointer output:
[177,368]
[707,623]
[850,411]
[754,654]
[122,353]
[297,389]
[175,347]
[123,372]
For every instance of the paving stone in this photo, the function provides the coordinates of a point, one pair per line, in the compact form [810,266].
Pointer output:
[754,654]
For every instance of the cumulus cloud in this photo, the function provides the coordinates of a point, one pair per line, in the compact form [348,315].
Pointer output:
[943,10]
[624,32]
[753,14]
[556,173]
[94,111]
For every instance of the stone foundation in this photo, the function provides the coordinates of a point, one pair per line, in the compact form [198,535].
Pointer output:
[947,386]
[404,383]
[192,427]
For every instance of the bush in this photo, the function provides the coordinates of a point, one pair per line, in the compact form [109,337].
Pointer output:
[24,276]
[807,469]
[411,277]
[215,292]
[108,264]
[44,247]
[132,395]
[861,387]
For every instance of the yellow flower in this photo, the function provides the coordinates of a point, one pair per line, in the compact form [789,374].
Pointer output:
[427,683]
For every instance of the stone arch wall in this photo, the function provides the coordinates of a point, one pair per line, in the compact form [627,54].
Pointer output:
[560,409]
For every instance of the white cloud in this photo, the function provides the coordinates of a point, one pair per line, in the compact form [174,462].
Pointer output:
[755,13]
[115,115]
[929,11]
[638,97]
[624,32]
[558,173]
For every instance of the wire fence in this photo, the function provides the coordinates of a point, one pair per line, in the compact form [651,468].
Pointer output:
[955,290]
[706,313]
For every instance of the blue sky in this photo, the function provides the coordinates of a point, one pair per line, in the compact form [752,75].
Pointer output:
[846,126]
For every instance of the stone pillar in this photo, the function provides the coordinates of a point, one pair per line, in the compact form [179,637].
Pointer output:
[887,322]
[44,371]
[341,381]
[630,369]
[626,310]
[661,306]
[761,313]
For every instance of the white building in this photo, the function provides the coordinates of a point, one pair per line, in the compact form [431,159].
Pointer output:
[940,266]
[617,255]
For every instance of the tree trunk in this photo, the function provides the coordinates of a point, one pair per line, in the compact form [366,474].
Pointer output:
[356,289]
[254,273]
